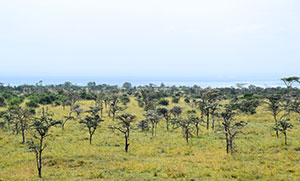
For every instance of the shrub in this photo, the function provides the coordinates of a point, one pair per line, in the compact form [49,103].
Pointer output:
[163,102]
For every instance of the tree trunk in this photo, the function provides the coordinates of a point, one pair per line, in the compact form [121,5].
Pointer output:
[16,128]
[197,129]
[126,144]
[167,120]
[63,126]
[8,125]
[152,129]
[230,141]
[39,155]
[276,125]
[40,164]
[213,122]
[227,144]
[285,138]
[187,136]
[207,120]
[227,139]
[113,118]
[91,136]
[23,136]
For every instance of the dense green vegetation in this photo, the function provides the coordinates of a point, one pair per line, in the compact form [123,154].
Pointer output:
[68,132]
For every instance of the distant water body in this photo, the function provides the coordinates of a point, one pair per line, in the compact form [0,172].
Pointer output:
[15,81]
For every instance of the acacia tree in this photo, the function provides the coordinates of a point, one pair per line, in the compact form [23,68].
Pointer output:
[92,121]
[8,118]
[124,99]
[283,125]
[124,127]
[176,111]
[275,108]
[114,106]
[143,125]
[213,109]
[73,97]
[162,111]
[153,118]
[67,118]
[22,117]
[41,126]
[147,99]
[99,102]
[77,111]
[246,104]
[289,81]
[208,102]
[196,121]
[231,128]
[186,125]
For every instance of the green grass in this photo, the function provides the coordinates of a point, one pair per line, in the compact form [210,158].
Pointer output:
[259,155]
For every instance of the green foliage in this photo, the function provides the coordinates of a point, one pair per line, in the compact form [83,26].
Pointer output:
[176,111]
[175,99]
[247,103]
[2,102]
[283,125]
[92,121]
[41,126]
[124,99]
[127,85]
[163,102]
[32,104]
[124,126]
[15,101]
[143,125]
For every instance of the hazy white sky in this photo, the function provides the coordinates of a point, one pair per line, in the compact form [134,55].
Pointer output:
[173,39]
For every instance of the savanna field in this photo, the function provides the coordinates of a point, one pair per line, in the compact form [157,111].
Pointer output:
[69,156]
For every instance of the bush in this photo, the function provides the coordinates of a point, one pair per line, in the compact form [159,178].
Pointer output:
[143,125]
[16,101]
[175,100]
[32,104]
[2,102]
[187,100]
[163,102]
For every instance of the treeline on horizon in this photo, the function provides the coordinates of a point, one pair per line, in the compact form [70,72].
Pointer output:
[58,94]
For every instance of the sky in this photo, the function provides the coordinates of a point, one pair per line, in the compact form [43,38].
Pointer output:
[175,40]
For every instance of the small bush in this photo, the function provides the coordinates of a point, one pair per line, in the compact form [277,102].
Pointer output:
[163,102]
[175,100]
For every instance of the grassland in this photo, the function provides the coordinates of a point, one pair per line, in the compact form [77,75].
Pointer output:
[260,155]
